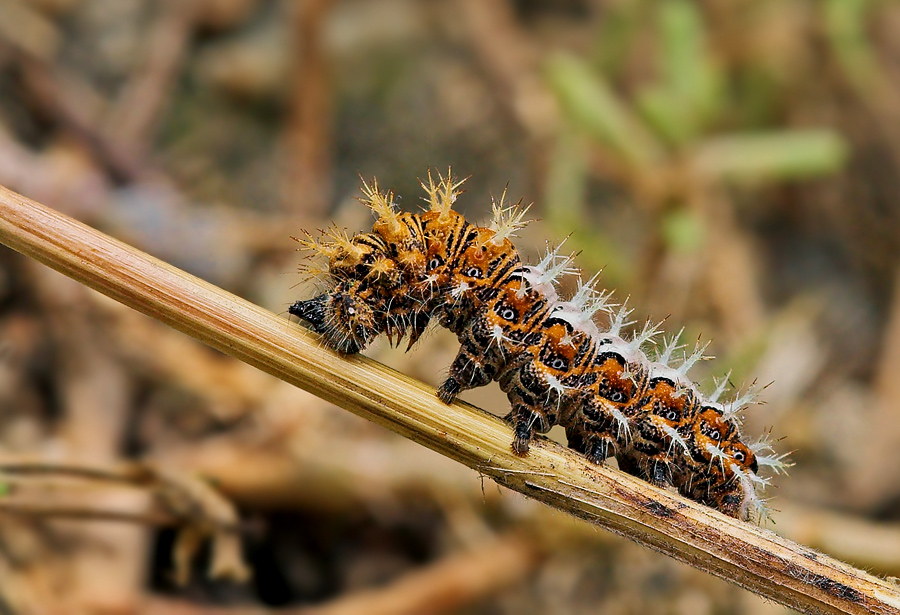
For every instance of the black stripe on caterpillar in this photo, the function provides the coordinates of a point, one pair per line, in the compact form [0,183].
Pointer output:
[547,353]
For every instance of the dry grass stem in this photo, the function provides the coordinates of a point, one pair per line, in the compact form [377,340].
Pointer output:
[85,513]
[751,557]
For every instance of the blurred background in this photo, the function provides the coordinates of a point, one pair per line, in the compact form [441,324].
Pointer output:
[732,165]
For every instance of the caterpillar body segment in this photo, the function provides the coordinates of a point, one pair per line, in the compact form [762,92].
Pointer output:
[548,354]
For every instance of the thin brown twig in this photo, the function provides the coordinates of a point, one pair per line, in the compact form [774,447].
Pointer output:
[135,116]
[84,513]
[127,474]
[69,100]
[751,557]
[183,498]
[178,499]
[309,131]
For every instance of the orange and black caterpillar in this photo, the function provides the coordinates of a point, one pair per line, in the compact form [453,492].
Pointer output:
[547,353]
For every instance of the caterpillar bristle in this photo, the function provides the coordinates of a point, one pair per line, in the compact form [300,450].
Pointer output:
[507,220]
[381,203]
[307,242]
[545,276]
[554,362]
[442,196]
[734,409]
[720,387]
[338,244]
[766,456]
[312,271]
[692,359]
[647,334]
[669,348]
[620,319]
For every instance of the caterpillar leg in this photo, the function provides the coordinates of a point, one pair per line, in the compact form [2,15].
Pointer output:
[466,373]
[598,430]
[600,450]
[476,364]
[732,504]
[597,449]
[728,497]
[525,422]
[657,470]
[448,390]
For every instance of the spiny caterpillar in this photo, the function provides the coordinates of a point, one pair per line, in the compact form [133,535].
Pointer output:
[547,353]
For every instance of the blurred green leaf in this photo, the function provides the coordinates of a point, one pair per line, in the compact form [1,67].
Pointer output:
[683,231]
[686,62]
[774,156]
[689,94]
[566,185]
[617,34]
[4,489]
[590,103]
[759,94]
[565,209]
[845,26]
[667,114]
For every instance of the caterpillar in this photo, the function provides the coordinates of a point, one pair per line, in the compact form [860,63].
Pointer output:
[612,395]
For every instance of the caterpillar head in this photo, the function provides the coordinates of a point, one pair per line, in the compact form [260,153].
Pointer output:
[348,318]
